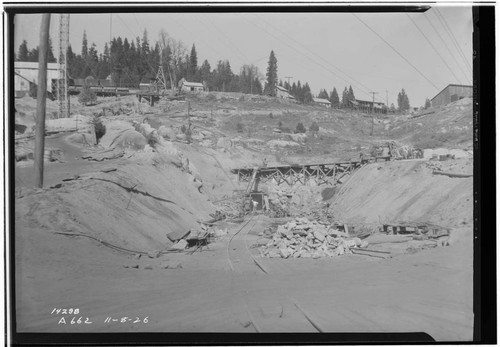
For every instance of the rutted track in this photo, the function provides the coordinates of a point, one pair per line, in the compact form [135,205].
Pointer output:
[245,265]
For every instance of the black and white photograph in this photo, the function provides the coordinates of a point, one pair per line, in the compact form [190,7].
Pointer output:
[243,171]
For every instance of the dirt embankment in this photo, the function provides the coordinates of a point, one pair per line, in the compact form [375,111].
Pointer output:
[133,204]
[408,191]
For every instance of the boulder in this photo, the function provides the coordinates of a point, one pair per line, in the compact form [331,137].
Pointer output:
[180,245]
[319,235]
[284,252]
[299,232]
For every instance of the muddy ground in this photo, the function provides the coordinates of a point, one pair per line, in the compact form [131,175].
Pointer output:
[63,232]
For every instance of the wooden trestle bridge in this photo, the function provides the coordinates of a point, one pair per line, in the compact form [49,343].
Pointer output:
[292,174]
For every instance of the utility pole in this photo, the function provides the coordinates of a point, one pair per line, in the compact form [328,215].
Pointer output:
[62,82]
[373,111]
[288,78]
[41,99]
[387,98]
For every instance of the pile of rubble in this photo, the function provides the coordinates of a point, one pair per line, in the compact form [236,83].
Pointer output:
[302,238]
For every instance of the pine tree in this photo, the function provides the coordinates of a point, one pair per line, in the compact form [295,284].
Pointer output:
[22,54]
[51,58]
[145,43]
[345,98]
[257,87]
[323,94]
[193,65]
[33,55]
[205,72]
[334,98]
[307,94]
[403,101]
[272,75]
[299,94]
[351,94]
[84,45]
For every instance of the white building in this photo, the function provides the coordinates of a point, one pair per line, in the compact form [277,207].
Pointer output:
[26,72]
[186,86]
[322,102]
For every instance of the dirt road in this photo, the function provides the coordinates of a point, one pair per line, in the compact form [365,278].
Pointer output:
[430,291]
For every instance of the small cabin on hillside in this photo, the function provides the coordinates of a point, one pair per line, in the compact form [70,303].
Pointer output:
[283,93]
[322,102]
[186,86]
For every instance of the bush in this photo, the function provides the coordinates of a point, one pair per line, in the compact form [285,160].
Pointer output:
[271,115]
[314,127]
[99,127]
[242,98]
[300,129]
[185,130]
[239,127]
[87,96]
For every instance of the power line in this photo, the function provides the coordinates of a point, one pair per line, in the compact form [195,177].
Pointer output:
[447,48]
[195,34]
[320,57]
[433,47]
[397,52]
[229,40]
[315,62]
[147,62]
[226,44]
[454,40]
[305,67]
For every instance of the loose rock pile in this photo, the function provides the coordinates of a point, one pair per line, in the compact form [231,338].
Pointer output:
[302,238]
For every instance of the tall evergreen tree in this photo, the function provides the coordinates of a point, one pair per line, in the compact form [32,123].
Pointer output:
[403,101]
[85,49]
[272,75]
[33,55]
[257,87]
[351,94]
[307,94]
[323,94]
[22,54]
[205,72]
[193,65]
[50,53]
[334,98]
[345,98]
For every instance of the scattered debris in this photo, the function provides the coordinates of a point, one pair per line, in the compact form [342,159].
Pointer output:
[105,155]
[302,238]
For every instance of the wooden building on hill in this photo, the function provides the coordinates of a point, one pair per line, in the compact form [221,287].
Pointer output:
[451,93]
[323,102]
[367,106]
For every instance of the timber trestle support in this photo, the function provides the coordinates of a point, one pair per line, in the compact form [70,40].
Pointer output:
[293,174]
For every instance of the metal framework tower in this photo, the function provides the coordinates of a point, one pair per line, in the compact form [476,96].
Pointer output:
[161,83]
[62,82]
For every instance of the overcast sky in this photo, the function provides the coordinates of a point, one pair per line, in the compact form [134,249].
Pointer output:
[429,50]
